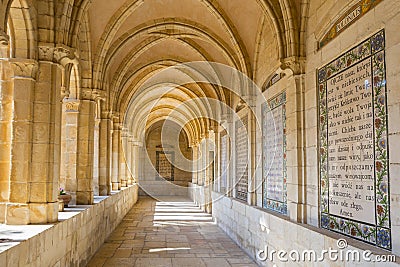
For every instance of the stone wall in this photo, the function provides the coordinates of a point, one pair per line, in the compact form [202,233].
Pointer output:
[74,241]
[254,229]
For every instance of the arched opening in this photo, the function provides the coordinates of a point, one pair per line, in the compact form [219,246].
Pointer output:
[69,136]
[167,157]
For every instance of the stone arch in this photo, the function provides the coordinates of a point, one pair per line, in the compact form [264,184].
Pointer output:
[125,11]
[69,131]
[22,29]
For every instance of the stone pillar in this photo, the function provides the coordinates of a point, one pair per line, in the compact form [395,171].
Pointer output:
[195,148]
[136,160]
[115,157]
[230,174]
[96,180]
[296,181]
[69,145]
[46,137]
[105,133]
[122,158]
[6,118]
[129,154]
[86,124]
[16,128]
[251,131]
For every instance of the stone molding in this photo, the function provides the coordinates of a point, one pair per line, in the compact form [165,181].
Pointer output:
[24,68]
[117,126]
[4,38]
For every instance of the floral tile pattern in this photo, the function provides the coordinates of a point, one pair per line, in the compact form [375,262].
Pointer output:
[379,234]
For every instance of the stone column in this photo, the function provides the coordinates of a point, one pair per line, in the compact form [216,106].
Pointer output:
[136,145]
[251,131]
[296,181]
[16,128]
[6,120]
[129,154]
[104,154]
[122,158]
[69,145]
[96,180]
[86,124]
[195,147]
[46,137]
[115,157]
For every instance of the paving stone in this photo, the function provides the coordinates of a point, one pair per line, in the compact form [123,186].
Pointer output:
[139,241]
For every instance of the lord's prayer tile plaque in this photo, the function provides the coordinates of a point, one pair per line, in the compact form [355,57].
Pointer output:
[353,156]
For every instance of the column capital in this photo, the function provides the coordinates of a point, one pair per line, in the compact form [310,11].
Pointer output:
[60,54]
[72,105]
[24,68]
[295,64]
[117,126]
[92,94]
[136,143]
[4,38]
[4,41]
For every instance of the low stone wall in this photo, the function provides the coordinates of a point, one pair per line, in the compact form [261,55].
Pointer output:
[255,229]
[162,188]
[74,241]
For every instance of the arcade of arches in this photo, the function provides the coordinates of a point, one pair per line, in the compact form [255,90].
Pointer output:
[278,118]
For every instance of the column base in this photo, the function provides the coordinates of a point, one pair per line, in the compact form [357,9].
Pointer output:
[84,198]
[115,186]
[23,214]
[104,190]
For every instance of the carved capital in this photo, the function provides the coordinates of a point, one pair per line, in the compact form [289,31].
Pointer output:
[4,38]
[296,64]
[93,94]
[24,68]
[63,54]
[117,126]
[72,105]
[46,53]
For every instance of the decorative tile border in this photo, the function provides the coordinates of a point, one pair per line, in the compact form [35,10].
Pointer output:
[278,101]
[378,234]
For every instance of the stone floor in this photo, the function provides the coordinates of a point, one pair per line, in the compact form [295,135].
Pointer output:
[173,233]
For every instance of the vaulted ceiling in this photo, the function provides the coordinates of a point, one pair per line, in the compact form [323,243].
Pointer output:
[124,43]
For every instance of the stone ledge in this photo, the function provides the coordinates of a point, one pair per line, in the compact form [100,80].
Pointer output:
[72,241]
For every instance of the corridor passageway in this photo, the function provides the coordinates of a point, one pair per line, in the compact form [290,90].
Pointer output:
[174,233]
